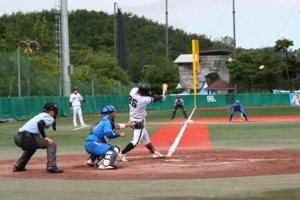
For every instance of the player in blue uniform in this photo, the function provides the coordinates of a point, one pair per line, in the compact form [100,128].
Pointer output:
[96,142]
[237,107]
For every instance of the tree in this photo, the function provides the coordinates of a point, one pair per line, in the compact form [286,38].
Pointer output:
[100,68]
[242,69]
[283,45]
[267,77]
[226,43]
[162,71]
[294,68]
[2,29]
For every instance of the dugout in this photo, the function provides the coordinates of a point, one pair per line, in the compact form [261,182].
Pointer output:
[212,68]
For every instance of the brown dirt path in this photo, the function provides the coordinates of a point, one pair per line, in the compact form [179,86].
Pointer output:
[181,165]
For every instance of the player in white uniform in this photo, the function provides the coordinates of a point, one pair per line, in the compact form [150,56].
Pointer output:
[138,100]
[75,99]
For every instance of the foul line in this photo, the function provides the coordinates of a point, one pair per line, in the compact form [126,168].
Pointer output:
[80,128]
[173,147]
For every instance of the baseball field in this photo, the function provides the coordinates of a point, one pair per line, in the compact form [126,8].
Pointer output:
[208,158]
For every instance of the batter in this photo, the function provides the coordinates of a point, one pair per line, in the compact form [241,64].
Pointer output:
[139,98]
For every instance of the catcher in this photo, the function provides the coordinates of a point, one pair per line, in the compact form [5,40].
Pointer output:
[101,134]
[139,98]
[237,107]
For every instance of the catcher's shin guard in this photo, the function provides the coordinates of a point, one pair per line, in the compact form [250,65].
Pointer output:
[110,158]
[150,147]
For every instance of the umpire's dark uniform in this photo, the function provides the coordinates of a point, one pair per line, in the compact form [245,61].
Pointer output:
[179,103]
[29,139]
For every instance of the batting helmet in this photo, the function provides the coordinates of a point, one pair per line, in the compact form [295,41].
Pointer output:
[106,110]
[145,89]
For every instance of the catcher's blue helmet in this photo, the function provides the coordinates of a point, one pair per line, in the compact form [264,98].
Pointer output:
[106,110]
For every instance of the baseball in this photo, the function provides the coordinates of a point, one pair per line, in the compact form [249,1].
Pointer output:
[261,67]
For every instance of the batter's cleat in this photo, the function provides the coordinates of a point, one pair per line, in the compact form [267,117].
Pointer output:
[157,155]
[51,170]
[75,125]
[122,157]
[109,167]
[19,169]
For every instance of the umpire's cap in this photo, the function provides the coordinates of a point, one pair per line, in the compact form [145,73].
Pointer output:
[145,89]
[50,106]
[75,88]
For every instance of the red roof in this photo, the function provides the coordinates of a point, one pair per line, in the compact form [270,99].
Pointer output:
[219,85]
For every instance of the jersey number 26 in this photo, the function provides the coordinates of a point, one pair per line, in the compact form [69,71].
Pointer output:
[132,101]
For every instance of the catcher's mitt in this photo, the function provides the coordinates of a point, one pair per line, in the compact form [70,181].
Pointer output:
[137,125]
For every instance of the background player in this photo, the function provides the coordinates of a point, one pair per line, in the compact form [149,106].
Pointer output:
[75,99]
[179,103]
[32,131]
[237,107]
[138,100]
[96,142]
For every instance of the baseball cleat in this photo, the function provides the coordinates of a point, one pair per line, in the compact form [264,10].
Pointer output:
[75,125]
[51,170]
[19,169]
[91,163]
[122,157]
[84,125]
[157,155]
[109,167]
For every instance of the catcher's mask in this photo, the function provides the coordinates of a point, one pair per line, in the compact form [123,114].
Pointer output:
[106,110]
[52,106]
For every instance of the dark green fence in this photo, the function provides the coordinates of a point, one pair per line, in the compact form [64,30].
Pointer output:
[26,108]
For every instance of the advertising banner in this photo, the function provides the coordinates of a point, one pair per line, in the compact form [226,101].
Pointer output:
[295,99]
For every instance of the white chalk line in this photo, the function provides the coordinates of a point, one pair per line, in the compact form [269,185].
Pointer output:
[173,147]
[241,159]
[224,163]
[80,128]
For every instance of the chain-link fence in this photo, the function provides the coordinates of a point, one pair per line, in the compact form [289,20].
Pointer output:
[43,84]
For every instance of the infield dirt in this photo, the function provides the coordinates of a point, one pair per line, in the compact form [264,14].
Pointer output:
[181,165]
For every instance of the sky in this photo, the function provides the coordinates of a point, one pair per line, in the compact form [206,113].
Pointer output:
[259,23]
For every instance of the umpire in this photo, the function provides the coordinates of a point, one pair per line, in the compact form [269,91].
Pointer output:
[29,139]
[179,103]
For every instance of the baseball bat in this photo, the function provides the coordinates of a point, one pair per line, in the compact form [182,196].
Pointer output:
[164,89]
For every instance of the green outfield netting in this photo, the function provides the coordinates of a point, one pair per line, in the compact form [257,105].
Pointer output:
[43,84]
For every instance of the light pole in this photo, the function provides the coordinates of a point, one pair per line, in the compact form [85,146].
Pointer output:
[145,66]
[28,49]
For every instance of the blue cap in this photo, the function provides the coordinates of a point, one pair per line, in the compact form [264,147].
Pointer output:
[106,110]
[237,101]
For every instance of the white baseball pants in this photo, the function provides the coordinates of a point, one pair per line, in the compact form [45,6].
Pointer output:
[140,134]
[77,109]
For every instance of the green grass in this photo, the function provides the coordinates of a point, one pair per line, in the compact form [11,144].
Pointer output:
[251,112]
[263,187]
[258,136]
